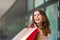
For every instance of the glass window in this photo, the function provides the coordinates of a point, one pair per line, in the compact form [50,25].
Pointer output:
[38,3]
[52,14]
[29,5]
[46,0]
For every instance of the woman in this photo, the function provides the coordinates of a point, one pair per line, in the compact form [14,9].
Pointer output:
[40,20]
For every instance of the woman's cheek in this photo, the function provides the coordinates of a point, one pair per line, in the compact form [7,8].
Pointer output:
[34,18]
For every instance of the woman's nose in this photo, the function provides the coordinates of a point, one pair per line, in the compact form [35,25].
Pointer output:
[37,16]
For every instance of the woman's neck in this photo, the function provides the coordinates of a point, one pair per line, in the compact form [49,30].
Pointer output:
[39,25]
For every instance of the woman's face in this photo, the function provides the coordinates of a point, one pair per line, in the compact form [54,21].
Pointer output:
[37,17]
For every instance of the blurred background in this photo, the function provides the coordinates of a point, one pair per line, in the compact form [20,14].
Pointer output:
[16,15]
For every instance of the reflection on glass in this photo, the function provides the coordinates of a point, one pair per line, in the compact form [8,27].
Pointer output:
[51,12]
[46,0]
[38,3]
[30,5]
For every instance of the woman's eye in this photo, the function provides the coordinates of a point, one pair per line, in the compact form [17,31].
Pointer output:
[38,14]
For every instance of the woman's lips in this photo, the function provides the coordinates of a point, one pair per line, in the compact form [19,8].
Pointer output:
[37,19]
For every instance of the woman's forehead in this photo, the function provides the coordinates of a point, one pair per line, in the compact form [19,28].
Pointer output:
[36,12]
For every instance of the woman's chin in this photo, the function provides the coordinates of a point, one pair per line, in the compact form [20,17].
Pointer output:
[38,22]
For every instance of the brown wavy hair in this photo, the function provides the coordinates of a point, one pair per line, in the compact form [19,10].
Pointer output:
[45,22]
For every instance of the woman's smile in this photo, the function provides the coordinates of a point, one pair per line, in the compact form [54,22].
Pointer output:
[37,17]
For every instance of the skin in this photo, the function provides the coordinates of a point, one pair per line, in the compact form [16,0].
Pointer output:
[38,19]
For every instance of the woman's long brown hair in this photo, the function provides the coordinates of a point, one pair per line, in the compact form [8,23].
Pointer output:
[45,22]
